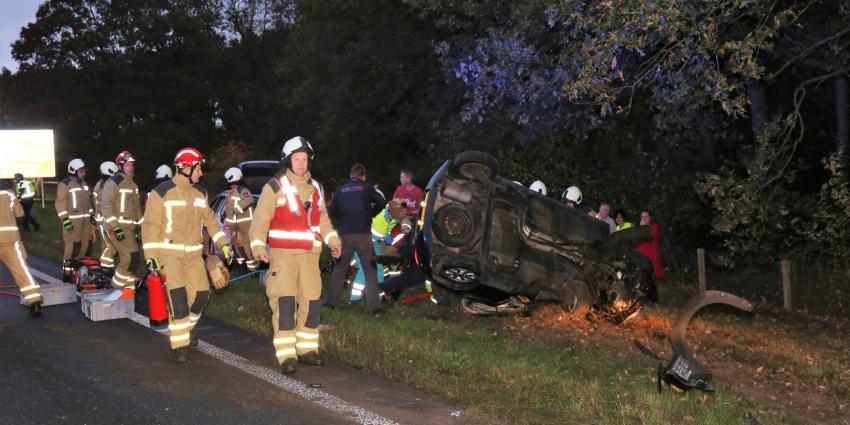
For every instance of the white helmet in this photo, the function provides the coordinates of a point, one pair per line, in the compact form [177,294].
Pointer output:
[164,172]
[108,168]
[293,145]
[538,186]
[572,194]
[233,175]
[75,165]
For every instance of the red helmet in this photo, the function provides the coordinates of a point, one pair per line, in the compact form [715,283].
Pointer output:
[123,158]
[188,157]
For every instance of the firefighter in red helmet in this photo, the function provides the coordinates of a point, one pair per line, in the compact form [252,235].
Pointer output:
[122,214]
[176,211]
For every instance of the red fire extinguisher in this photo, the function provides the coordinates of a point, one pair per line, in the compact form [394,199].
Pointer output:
[157,311]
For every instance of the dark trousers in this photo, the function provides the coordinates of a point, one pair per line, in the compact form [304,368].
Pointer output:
[28,218]
[362,245]
[412,276]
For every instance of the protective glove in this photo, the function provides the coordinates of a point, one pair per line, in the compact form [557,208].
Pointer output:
[93,221]
[119,233]
[388,240]
[67,224]
[228,255]
[152,265]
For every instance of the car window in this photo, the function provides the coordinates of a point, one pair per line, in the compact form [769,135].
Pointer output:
[256,176]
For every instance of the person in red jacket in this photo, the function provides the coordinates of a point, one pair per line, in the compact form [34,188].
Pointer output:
[652,249]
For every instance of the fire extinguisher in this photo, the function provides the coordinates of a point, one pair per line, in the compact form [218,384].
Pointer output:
[157,311]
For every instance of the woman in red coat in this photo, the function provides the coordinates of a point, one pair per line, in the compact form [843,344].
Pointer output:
[652,248]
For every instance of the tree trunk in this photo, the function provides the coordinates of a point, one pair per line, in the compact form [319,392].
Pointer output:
[841,117]
[758,107]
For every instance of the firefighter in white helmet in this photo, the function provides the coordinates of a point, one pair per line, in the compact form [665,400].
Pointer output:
[172,238]
[107,257]
[239,212]
[12,252]
[122,214]
[161,175]
[538,186]
[292,217]
[74,208]
[572,197]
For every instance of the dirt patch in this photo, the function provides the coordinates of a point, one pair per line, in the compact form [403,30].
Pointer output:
[791,362]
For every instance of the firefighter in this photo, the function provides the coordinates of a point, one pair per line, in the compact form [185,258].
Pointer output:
[238,215]
[26,194]
[163,174]
[119,203]
[107,257]
[75,210]
[291,216]
[172,238]
[12,251]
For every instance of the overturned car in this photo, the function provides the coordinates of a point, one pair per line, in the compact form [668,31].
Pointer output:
[495,239]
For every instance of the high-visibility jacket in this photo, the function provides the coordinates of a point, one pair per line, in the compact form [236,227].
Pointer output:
[10,211]
[282,219]
[72,199]
[119,202]
[175,214]
[383,224]
[95,192]
[239,210]
[26,189]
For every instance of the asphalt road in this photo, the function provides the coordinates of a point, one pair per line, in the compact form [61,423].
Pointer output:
[61,368]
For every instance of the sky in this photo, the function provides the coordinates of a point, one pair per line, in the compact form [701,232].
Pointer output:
[14,14]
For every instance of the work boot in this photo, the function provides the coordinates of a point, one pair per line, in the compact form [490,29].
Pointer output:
[180,355]
[35,308]
[311,358]
[193,339]
[288,366]
[376,313]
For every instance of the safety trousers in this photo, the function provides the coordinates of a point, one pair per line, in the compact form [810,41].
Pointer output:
[188,290]
[107,257]
[243,247]
[77,241]
[294,286]
[14,256]
[129,259]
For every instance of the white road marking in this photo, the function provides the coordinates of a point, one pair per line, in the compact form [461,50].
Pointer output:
[44,276]
[274,377]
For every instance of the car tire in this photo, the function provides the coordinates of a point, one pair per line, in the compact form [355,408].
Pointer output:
[577,298]
[474,164]
[460,278]
[453,226]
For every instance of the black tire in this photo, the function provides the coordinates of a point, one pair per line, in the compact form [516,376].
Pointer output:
[460,278]
[453,226]
[474,164]
[577,298]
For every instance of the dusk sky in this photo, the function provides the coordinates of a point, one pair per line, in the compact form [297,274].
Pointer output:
[14,14]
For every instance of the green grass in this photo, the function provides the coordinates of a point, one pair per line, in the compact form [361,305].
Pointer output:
[47,242]
[495,366]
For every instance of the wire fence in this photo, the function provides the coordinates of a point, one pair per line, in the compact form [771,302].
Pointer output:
[819,289]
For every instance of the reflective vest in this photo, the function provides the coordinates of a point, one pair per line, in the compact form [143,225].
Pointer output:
[26,190]
[293,226]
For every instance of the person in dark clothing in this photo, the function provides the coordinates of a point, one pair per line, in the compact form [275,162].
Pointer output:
[352,208]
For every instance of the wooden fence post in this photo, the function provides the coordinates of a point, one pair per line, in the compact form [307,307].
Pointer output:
[701,267]
[786,284]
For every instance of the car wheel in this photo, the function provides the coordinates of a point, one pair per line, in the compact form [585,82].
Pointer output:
[453,226]
[474,164]
[460,278]
[576,298]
